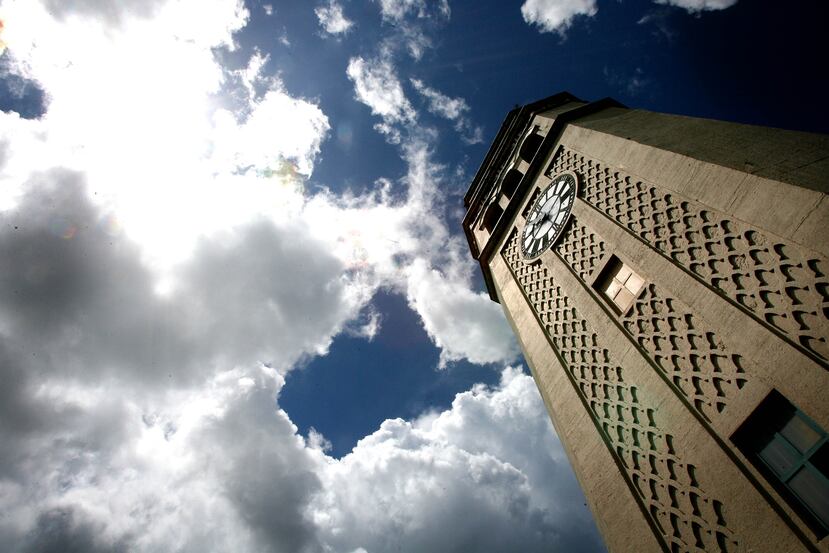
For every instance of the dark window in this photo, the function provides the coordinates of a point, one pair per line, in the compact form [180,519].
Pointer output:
[792,452]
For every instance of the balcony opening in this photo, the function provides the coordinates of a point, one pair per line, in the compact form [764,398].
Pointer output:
[491,216]
[530,145]
[510,182]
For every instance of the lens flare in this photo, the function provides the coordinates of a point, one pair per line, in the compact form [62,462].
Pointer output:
[63,228]
[286,173]
[345,134]
[110,225]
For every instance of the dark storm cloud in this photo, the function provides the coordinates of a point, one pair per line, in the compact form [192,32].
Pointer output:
[75,298]
[81,302]
[89,355]
[265,470]
[60,531]
[270,291]
[132,421]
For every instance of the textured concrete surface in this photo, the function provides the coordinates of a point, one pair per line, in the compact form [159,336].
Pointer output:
[728,226]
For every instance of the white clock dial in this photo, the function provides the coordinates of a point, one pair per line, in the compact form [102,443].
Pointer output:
[549,215]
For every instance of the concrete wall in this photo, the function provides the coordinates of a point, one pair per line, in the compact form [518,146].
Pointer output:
[735,304]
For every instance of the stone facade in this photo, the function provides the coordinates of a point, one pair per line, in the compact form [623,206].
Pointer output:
[657,404]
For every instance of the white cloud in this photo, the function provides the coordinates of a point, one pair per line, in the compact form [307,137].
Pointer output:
[268,9]
[465,325]
[453,109]
[367,326]
[220,467]
[109,12]
[555,16]
[163,271]
[170,170]
[376,85]
[694,6]
[332,19]
[398,10]
[413,21]
[632,83]
[441,104]
[148,149]
[466,479]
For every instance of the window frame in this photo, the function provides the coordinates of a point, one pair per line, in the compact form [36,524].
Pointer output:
[763,427]
[602,278]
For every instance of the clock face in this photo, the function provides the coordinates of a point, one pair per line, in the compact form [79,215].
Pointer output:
[548,216]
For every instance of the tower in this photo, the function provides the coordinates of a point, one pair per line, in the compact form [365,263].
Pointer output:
[668,281]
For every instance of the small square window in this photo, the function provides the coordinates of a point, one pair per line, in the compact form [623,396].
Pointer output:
[792,452]
[620,284]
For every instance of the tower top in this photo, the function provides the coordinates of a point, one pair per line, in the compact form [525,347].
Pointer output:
[527,134]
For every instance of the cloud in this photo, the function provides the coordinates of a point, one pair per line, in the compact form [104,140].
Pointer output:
[695,6]
[367,326]
[60,531]
[216,468]
[188,450]
[556,16]
[376,85]
[399,10]
[631,83]
[181,178]
[164,269]
[465,325]
[660,18]
[413,22]
[219,466]
[453,109]
[145,148]
[109,12]
[457,481]
[405,246]
[332,19]
[127,424]
[243,298]
[440,104]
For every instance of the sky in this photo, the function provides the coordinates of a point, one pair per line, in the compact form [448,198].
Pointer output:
[237,311]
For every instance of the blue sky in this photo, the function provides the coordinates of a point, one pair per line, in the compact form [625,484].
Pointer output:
[237,312]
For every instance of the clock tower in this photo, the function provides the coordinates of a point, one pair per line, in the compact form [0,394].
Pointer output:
[668,281]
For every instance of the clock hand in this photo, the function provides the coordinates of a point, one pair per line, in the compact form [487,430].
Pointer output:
[545,224]
[535,218]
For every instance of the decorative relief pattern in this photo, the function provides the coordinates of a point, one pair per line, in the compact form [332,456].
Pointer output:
[688,519]
[773,280]
[581,249]
[693,358]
